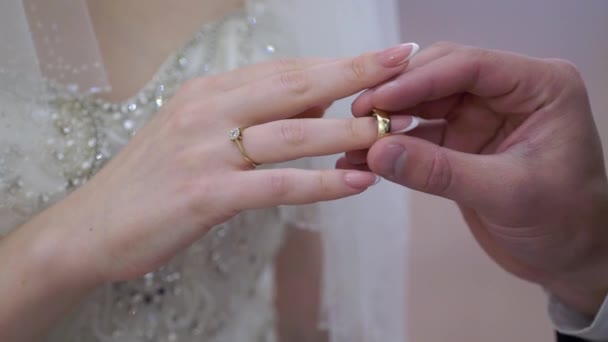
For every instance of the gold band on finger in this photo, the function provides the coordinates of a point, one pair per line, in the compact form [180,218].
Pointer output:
[384,123]
[236,135]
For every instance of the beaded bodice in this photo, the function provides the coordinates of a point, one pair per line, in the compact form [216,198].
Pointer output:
[220,289]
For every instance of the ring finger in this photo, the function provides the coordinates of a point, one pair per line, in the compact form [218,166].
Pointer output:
[285,140]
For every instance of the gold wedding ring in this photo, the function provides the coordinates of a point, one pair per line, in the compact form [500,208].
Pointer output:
[384,123]
[236,135]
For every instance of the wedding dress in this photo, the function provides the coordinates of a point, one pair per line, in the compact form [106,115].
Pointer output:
[221,288]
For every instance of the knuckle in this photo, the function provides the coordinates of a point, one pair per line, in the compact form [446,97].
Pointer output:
[296,82]
[475,60]
[184,116]
[324,182]
[278,184]
[440,176]
[357,68]
[566,69]
[564,65]
[198,201]
[481,55]
[445,46]
[191,85]
[196,194]
[292,132]
[188,107]
[357,132]
[352,128]
[282,65]
[565,79]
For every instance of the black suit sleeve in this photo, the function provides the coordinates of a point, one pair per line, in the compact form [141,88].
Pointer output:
[564,338]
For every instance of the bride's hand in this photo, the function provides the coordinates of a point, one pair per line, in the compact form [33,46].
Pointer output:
[181,174]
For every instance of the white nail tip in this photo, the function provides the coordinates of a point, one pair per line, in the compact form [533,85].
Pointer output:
[412,126]
[377,181]
[415,49]
[418,122]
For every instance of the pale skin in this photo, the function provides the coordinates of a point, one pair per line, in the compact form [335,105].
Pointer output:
[136,33]
[520,155]
[115,228]
[136,36]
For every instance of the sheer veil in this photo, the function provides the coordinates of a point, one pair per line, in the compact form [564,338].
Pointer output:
[39,45]
[365,238]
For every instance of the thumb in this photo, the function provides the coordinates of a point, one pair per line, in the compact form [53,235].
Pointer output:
[468,179]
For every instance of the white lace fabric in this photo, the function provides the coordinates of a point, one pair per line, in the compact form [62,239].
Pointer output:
[218,290]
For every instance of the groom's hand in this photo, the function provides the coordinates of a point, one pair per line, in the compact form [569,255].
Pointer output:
[519,153]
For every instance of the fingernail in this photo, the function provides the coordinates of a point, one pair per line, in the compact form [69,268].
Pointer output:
[360,180]
[392,161]
[404,124]
[378,180]
[398,55]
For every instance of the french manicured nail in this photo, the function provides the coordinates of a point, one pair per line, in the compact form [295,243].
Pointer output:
[403,124]
[360,180]
[398,55]
[392,160]
[378,180]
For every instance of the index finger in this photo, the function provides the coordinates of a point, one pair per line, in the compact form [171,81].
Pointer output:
[286,94]
[508,80]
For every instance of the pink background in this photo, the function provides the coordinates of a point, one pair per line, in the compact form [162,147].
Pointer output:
[456,293]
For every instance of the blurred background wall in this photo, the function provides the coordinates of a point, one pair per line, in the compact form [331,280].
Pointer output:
[456,293]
